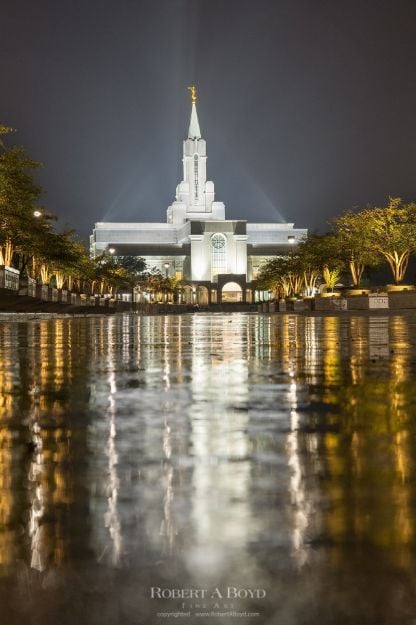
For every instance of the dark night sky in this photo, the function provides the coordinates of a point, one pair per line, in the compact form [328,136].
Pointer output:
[308,106]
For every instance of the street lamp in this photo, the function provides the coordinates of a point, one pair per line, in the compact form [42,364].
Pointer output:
[37,214]
[291,239]
[111,250]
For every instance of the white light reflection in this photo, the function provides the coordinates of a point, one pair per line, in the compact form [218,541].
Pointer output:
[166,354]
[126,338]
[298,497]
[38,559]
[168,527]
[111,518]
[221,477]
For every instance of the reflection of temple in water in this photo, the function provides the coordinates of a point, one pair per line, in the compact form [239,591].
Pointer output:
[217,442]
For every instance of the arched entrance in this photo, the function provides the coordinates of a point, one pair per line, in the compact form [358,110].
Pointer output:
[232,292]
[187,295]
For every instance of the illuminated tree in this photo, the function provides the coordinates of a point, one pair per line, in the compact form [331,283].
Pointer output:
[310,266]
[354,236]
[283,275]
[4,130]
[19,197]
[70,261]
[323,256]
[135,265]
[392,233]
[316,257]
[112,273]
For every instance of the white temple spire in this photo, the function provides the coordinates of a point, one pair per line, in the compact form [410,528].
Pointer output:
[195,195]
[194,132]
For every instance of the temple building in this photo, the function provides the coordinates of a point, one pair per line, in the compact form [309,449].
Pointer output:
[216,259]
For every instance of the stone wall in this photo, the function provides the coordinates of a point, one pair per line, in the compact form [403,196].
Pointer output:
[357,302]
[9,278]
[404,299]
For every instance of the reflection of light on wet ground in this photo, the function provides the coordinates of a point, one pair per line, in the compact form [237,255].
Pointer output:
[112,520]
[272,451]
[218,418]
[378,337]
[37,508]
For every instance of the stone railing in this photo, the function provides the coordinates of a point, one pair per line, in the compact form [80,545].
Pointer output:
[27,286]
[53,295]
[31,287]
[42,292]
[366,300]
[63,296]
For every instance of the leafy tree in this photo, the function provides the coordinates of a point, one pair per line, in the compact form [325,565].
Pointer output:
[133,270]
[102,273]
[79,272]
[283,275]
[113,273]
[155,283]
[4,130]
[117,278]
[354,235]
[392,233]
[323,251]
[70,259]
[19,197]
[135,265]
[55,255]
[309,265]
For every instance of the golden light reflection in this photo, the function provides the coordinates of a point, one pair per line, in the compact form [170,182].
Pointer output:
[7,536]
[107,421]
[331,354]
[36,477]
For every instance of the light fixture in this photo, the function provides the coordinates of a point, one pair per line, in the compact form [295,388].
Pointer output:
[111,250]
[37,214]
[291,239]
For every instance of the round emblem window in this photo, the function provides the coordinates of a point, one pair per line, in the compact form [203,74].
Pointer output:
[218,241]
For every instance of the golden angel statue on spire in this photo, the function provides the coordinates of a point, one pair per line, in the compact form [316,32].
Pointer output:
[192,89]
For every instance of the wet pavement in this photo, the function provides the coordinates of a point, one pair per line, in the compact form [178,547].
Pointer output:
[208,465]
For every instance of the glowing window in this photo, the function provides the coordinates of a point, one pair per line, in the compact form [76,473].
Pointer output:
[218,255]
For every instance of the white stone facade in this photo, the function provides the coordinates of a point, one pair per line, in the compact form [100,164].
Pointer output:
[197,244]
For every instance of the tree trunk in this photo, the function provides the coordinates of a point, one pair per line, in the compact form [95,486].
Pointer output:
[398,264]
[356,270]
[44,274]
[8,252]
